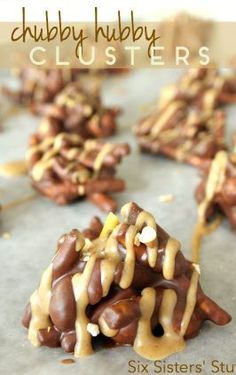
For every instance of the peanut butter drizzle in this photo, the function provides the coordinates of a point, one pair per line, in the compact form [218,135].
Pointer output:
[147,345]
[109,264]
[172,248]
[51,146]
[105,329]
[209,98]
[39,302]
[41,147]
[129,263]
[80,287]
[145,218]
[101,156]
[211,94]
[40,167]
[54,142]
[44,127]
[13,168]
[83,346]
[165,116]
[214,183]
[169,135]
[184,149]
[167,94]
[199,232]
[190,302]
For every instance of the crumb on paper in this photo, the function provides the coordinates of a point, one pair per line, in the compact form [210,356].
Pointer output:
[6,235]
[166,198]
[67,361]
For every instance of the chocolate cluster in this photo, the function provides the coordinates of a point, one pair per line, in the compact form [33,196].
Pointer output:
[126,283]
[66,168]
[79,111]
[206,88]
[182,132]
[216,193]
[39,86]
[188,125]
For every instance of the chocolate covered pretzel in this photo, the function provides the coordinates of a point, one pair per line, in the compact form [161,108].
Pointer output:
[66,168]
[76,110]
[127,283]
[182,132]
[216,193]
[206,88]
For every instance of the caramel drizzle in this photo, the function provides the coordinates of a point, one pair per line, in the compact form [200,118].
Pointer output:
[214,184]
[106,249]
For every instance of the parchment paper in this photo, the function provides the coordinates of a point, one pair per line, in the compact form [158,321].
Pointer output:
[35,226]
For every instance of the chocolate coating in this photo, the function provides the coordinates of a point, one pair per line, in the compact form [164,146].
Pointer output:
[116,313]
[205,88]
[67,168]
[38,86]
[187,125]
[223,200]
[76,110]
[183,133]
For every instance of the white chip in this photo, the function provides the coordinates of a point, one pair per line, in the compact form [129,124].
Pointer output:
[147,235]
[93,329]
